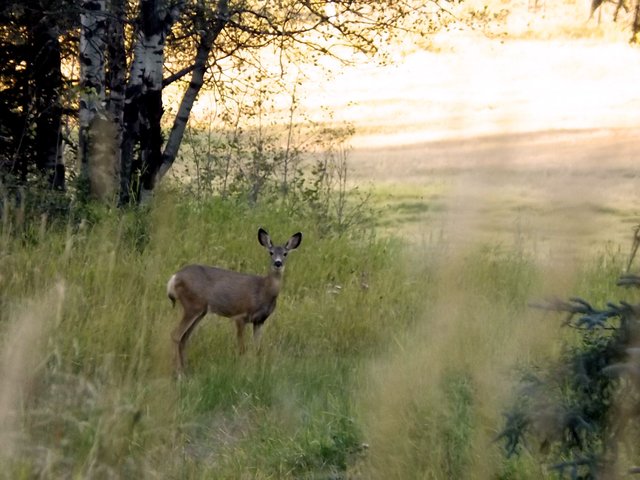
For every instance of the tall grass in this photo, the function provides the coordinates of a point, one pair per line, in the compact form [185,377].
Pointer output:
[382,360]
[89,389]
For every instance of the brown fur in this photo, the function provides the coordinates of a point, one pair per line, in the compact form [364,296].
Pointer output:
[245,298]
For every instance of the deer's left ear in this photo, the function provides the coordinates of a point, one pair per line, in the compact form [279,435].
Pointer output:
[264,238]
[294,242]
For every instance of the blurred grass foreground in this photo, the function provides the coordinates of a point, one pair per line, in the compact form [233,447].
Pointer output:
[383,359]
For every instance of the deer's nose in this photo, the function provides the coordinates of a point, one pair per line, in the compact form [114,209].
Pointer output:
[277,263]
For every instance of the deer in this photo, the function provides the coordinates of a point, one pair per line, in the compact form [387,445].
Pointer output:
[244,298]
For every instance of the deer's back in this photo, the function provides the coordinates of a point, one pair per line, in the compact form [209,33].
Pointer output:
[222,291]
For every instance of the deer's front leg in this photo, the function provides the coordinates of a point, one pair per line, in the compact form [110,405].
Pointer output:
[240,324]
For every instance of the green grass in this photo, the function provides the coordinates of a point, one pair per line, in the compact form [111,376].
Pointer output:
[383,359]
[98,396]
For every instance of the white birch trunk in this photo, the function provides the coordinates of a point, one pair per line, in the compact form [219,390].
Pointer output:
[150,147]
[92,20]
[92,92]
[143,104]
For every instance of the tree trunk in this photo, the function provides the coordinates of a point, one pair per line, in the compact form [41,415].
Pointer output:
[197,80]
[635,28]
[188,99]
[143,103]
[116,76]
[150,140]
[130,133]
[47,79]
[92,93]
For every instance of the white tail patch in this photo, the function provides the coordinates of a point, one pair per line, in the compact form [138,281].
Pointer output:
[171,289]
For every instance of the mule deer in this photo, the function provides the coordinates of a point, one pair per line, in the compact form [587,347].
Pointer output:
[242,297]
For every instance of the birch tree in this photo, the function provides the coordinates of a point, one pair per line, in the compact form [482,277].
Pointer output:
[300,31]
[116,77]
[129,51]
[95,164]
[207,35]
[143,100]
[226,34]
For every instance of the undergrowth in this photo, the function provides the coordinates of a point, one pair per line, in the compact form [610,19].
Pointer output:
[96,396]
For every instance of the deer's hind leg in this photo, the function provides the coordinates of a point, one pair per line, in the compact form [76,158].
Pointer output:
[257,335]
[182,332]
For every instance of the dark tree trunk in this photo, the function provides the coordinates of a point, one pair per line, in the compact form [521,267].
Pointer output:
[186,105]
[47,78]
[116,76]
[150,140]
[130,135]
[636,24]
[19,122]
[143,101]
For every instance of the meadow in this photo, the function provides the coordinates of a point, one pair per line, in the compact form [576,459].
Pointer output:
[396,344]
[88,387]
[389,356]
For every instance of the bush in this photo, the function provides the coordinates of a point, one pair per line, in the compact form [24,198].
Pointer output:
[581,413]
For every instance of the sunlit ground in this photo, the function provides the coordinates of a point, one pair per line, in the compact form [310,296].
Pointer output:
[465,83]
[530,136]
[480,86]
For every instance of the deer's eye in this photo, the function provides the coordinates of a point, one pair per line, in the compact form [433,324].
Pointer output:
[286,253]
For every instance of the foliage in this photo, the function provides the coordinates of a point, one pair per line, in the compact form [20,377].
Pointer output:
[582,411]
[134,52]
[301,166]
[382,359]
[34,90]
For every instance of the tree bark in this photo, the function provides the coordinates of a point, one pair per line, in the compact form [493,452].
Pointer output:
[186,105]
[116,78]
[143,103]
[92,81]
[635,28]
[130,134]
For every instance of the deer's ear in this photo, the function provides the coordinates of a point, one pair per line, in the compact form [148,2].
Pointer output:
[264,238]
[294,241]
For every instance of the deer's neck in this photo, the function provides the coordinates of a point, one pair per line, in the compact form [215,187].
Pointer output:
[273,283]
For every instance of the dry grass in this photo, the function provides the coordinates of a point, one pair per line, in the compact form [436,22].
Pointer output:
[23,351]
[557,194]
[432,406]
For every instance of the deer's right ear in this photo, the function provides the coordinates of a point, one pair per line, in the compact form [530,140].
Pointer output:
[264,238]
